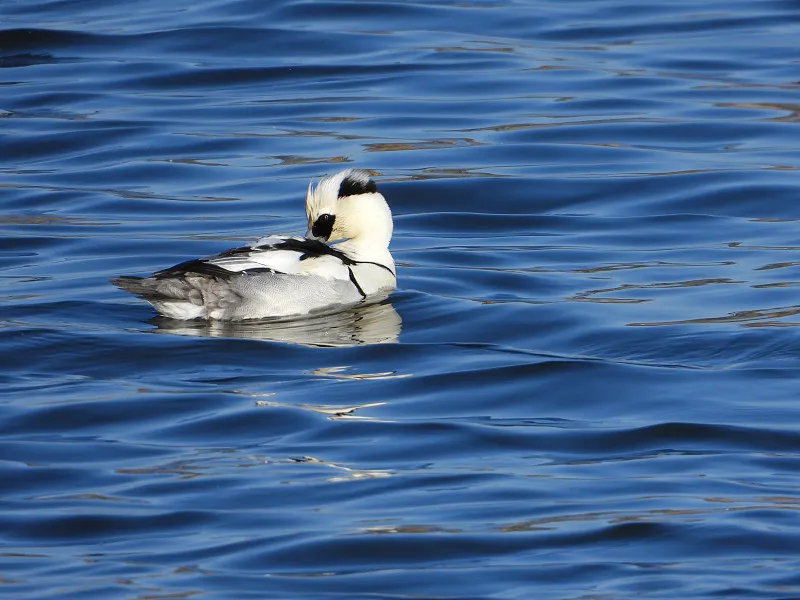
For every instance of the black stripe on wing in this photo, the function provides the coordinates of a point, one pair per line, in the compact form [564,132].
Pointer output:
[312,249]
[197,266]
[234,252]
[306,248]
[201,266]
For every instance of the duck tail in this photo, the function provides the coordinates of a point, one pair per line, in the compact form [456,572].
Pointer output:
[153,289]
[133,285]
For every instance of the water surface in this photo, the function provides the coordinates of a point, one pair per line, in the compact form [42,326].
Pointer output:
[585,385]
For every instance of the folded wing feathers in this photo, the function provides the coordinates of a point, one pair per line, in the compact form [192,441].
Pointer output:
[280,255]
[208,283]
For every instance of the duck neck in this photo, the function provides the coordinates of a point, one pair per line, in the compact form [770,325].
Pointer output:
[370,224]
[367,251]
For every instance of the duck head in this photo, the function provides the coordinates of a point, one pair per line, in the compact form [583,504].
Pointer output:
[348,206]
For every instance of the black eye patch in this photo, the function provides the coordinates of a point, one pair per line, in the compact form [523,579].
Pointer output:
[323,226]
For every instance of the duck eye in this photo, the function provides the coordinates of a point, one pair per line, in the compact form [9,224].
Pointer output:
[323,226]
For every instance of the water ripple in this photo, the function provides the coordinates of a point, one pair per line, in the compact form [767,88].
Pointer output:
[584,386]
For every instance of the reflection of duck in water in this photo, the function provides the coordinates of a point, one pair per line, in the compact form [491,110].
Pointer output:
[286,276]
[353,326]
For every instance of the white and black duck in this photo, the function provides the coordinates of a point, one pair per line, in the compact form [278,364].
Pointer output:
[281,276]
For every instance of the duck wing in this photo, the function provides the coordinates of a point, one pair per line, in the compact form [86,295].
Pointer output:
[287,255]
[274,276]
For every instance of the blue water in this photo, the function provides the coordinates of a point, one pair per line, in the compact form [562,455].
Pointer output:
[585,386]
